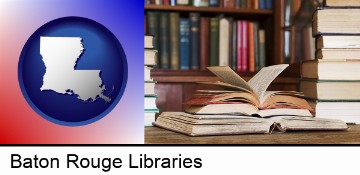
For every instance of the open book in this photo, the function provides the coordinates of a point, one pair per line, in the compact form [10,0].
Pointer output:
[202,125]
[248,98]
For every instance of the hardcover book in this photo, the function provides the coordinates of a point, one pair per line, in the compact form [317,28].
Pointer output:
[194,40]
[330,69]
[184,39]
[203,125]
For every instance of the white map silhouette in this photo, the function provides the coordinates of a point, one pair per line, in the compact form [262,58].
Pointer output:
[60,55]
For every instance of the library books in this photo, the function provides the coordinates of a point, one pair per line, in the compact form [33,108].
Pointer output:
[335,54]
[203,125]
[341,3]
[335,90]
[247,4]
[338,42]
[150,61]
[331,69]
[347,111]
[336,21]
[197,42]
[248,98]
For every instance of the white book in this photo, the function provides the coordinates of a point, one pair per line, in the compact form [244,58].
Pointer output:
[149,87]
[149,118]
[224,41]
[150,103]
[147,76]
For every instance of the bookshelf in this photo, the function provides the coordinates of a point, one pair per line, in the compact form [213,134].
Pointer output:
[174,87]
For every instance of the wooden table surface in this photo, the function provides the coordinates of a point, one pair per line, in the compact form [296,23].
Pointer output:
[155,135]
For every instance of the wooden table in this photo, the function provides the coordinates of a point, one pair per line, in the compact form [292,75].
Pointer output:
[155,135]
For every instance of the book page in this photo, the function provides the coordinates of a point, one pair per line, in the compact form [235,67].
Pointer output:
[261,81]
[227,75]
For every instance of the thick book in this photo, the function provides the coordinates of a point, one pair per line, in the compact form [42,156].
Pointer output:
[330,69]
[214,41]
[150,103]
[149,118]
[338,42]
[164,49]
[194,40]
[338,54]
[153,29]
[149,42]
[336,21]
[184,46]
[224,41]
[248,98]
[204,42]
[349,112]
[150,57]
[149,88]
[147,76]
[342,3]
[203,125]
[338,90]
[174,41]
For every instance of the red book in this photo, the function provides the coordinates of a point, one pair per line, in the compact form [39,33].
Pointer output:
[245,46]
[166,2]
[239,47]
[204,42]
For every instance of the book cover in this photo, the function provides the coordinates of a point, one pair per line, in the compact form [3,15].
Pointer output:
[262,4]
[182,2]
[184,46]
[214,41]
[200,3]
[194,40]
[269,4]
[204,42]
[164,49]
[174,41]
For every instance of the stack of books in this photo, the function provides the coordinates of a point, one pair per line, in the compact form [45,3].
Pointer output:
[149,84]
[245,107]
[332,81]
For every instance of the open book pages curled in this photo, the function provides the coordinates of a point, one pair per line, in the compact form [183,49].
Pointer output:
[202,125]
[237,92]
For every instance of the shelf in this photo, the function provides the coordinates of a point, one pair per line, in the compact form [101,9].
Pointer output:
[290,75]
[239,11]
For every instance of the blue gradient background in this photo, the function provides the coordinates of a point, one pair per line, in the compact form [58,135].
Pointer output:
[19,123]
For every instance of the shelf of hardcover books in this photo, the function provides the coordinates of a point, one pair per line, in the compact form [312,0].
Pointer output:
[290,75]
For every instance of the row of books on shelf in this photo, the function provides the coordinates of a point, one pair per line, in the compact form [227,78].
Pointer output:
[197,42]
[249,4]
[332,81]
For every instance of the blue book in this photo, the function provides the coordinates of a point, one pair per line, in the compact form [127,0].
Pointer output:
[173,2]
[194,40]
[184,39]
[269,4]
[262,4]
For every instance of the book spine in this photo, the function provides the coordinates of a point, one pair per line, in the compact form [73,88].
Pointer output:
[224,42]
[249,4]
[200,3]
[238,4]
[174,40]
[255,4]
[244,4]
[251,45]
[173,2]
[204,42]
[194,40]
[184,39]
[166,2]
[269,4]
[164,41]
[214,3]
[214,41]
[245,46]
[256,46]
[182,2]
[262,4]
[229,4]
[239,47]
[152,29]
[262,48]
[234,45]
